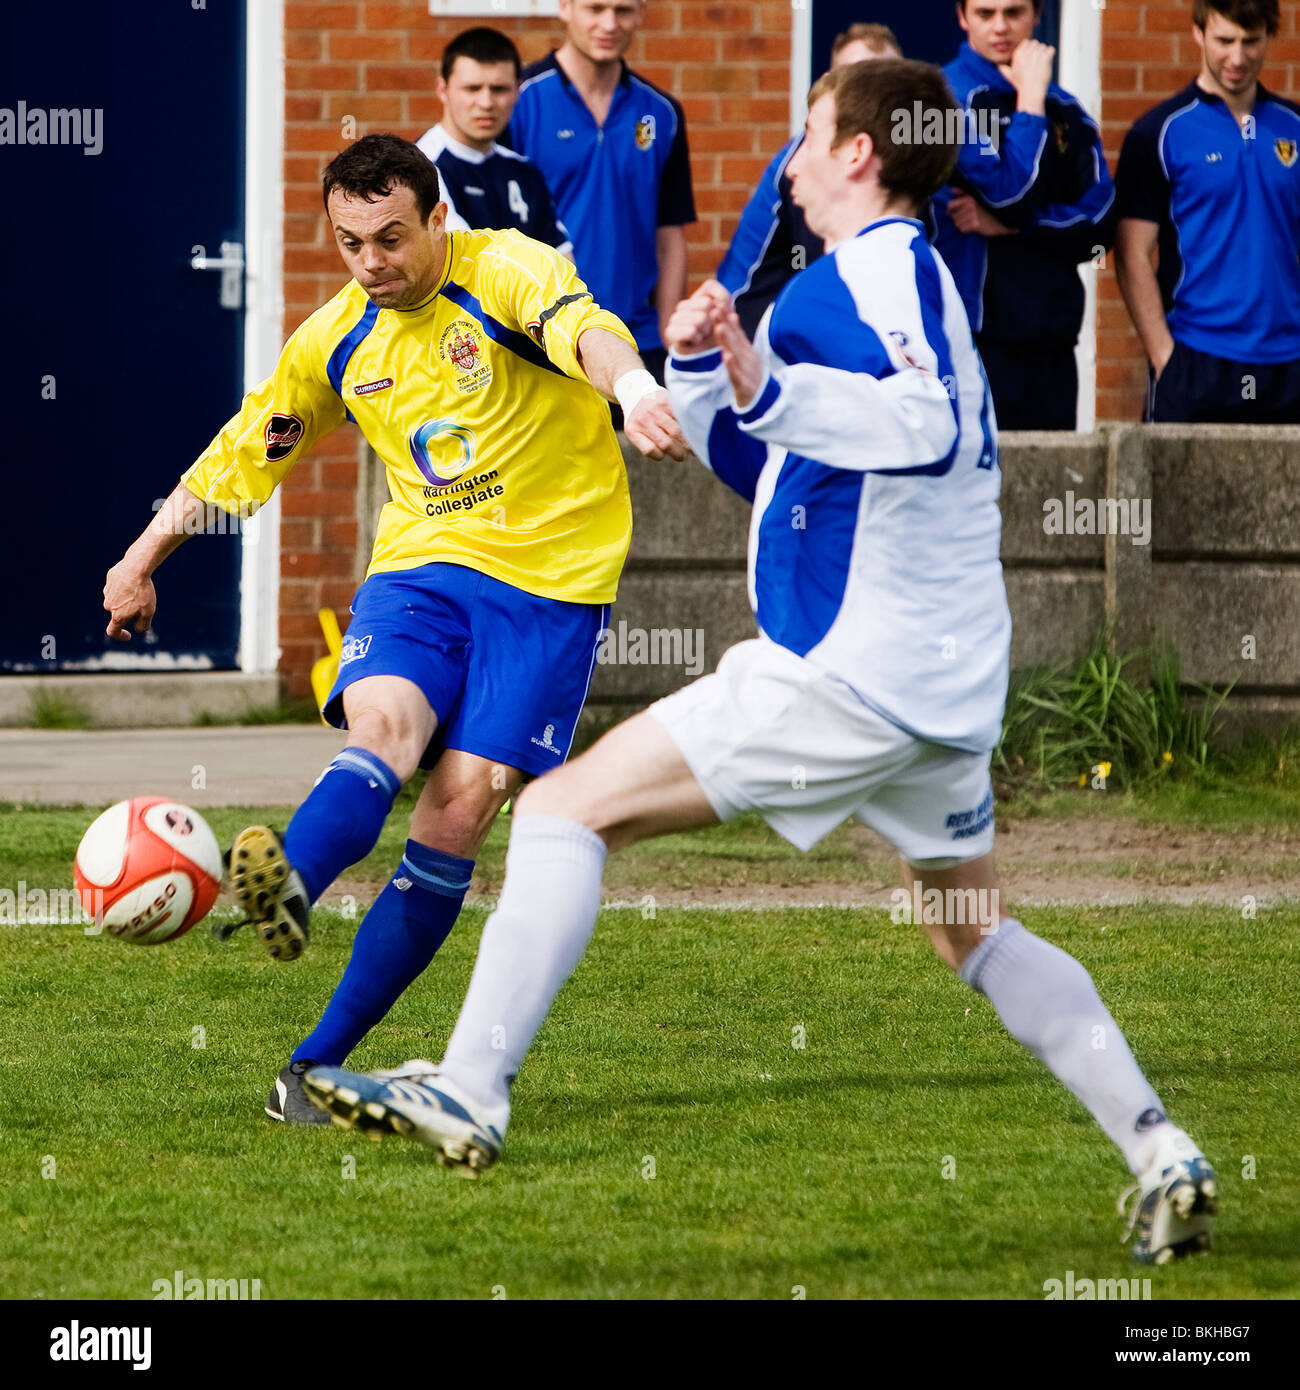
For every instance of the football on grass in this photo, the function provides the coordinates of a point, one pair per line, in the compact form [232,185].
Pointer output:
[148,869]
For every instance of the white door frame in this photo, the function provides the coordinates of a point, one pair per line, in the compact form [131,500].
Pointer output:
[1080,69]
[259,582]
[800,62]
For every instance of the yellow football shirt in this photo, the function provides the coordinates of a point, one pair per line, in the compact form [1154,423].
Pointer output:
[499,452]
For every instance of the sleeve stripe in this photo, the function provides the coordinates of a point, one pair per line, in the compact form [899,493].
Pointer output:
[517,343]
[765,401]
[342,354]
[700,362]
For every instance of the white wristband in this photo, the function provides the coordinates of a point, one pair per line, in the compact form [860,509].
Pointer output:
[632,387]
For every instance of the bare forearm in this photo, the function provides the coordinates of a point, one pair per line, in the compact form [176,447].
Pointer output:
[670,289]
[172,523]
[605,357]
[129,596]
[1141,290]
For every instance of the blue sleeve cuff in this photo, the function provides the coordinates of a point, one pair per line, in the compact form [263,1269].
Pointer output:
[697,362]
[765,401]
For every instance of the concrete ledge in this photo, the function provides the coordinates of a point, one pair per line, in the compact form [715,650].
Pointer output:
[1230,622]
[681,513]
[1259,714]
[667,628]
[272,765]
[1037,466]
[1055,614]
[139,699]
[1224,491]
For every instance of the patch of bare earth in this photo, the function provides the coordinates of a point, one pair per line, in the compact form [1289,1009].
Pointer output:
[1078,861]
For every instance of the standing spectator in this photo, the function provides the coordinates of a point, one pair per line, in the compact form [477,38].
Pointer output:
[1209,182]
[483,183]
[772,241]
[1032,199]
[613,150]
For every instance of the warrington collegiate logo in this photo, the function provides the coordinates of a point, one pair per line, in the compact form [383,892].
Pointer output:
[645,132]
[442,450]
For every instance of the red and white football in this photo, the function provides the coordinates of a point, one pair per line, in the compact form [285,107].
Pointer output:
[148,869]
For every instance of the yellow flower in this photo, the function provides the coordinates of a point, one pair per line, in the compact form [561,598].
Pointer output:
[1167,757]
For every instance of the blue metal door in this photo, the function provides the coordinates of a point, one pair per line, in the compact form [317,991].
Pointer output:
[122,147]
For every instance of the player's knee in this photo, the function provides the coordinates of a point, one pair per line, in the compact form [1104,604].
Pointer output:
[458,826]
[389,736]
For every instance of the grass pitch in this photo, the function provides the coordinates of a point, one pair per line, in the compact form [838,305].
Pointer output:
[671,1138]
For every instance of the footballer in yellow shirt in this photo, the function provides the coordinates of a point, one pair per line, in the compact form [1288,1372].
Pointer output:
[478,367]
[499,454]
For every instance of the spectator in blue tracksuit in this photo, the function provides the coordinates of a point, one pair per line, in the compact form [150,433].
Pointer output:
[613,150]
[1032,198]
[1209,184]
[772,242]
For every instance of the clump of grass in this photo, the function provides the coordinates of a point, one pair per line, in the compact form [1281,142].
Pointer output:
[53,711]
[302,711]
[1132,715]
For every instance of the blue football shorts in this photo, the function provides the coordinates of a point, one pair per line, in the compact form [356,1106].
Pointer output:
[505,671]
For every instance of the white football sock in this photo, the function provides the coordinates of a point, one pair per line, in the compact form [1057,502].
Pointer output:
[1048,1002]
[530,946]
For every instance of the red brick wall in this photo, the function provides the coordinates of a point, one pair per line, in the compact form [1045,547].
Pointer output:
[727,63]
[1147,54]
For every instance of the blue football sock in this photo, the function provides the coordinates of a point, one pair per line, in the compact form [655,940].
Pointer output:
[395,942]
[340,821]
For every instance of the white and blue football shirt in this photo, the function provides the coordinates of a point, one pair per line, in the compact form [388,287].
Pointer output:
[493,191]
[614,184]
[870,455]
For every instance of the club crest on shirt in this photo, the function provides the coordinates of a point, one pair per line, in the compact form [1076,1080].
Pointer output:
[645,132]
[1285,151]
[282,435]
[900,341]
[463,348]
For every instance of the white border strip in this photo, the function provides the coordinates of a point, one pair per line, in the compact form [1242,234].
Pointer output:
[259,586]
[1080,69]
[800,62]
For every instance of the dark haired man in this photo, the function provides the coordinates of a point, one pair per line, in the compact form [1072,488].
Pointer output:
[1032,198]
[485,184]
[1209,232]
[613,150]
[772,242]
[472,363]
[859,426]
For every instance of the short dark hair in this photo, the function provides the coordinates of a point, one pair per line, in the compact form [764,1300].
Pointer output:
[868,98]
[878,37]
[1248,14]
[371,167]
[481,45]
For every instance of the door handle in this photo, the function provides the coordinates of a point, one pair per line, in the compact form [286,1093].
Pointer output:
[231,265]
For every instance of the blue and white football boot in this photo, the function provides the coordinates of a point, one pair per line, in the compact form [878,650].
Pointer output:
[1175,1200]
[416,1100]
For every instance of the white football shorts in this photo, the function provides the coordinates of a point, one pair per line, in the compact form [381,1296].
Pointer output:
[772,733]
